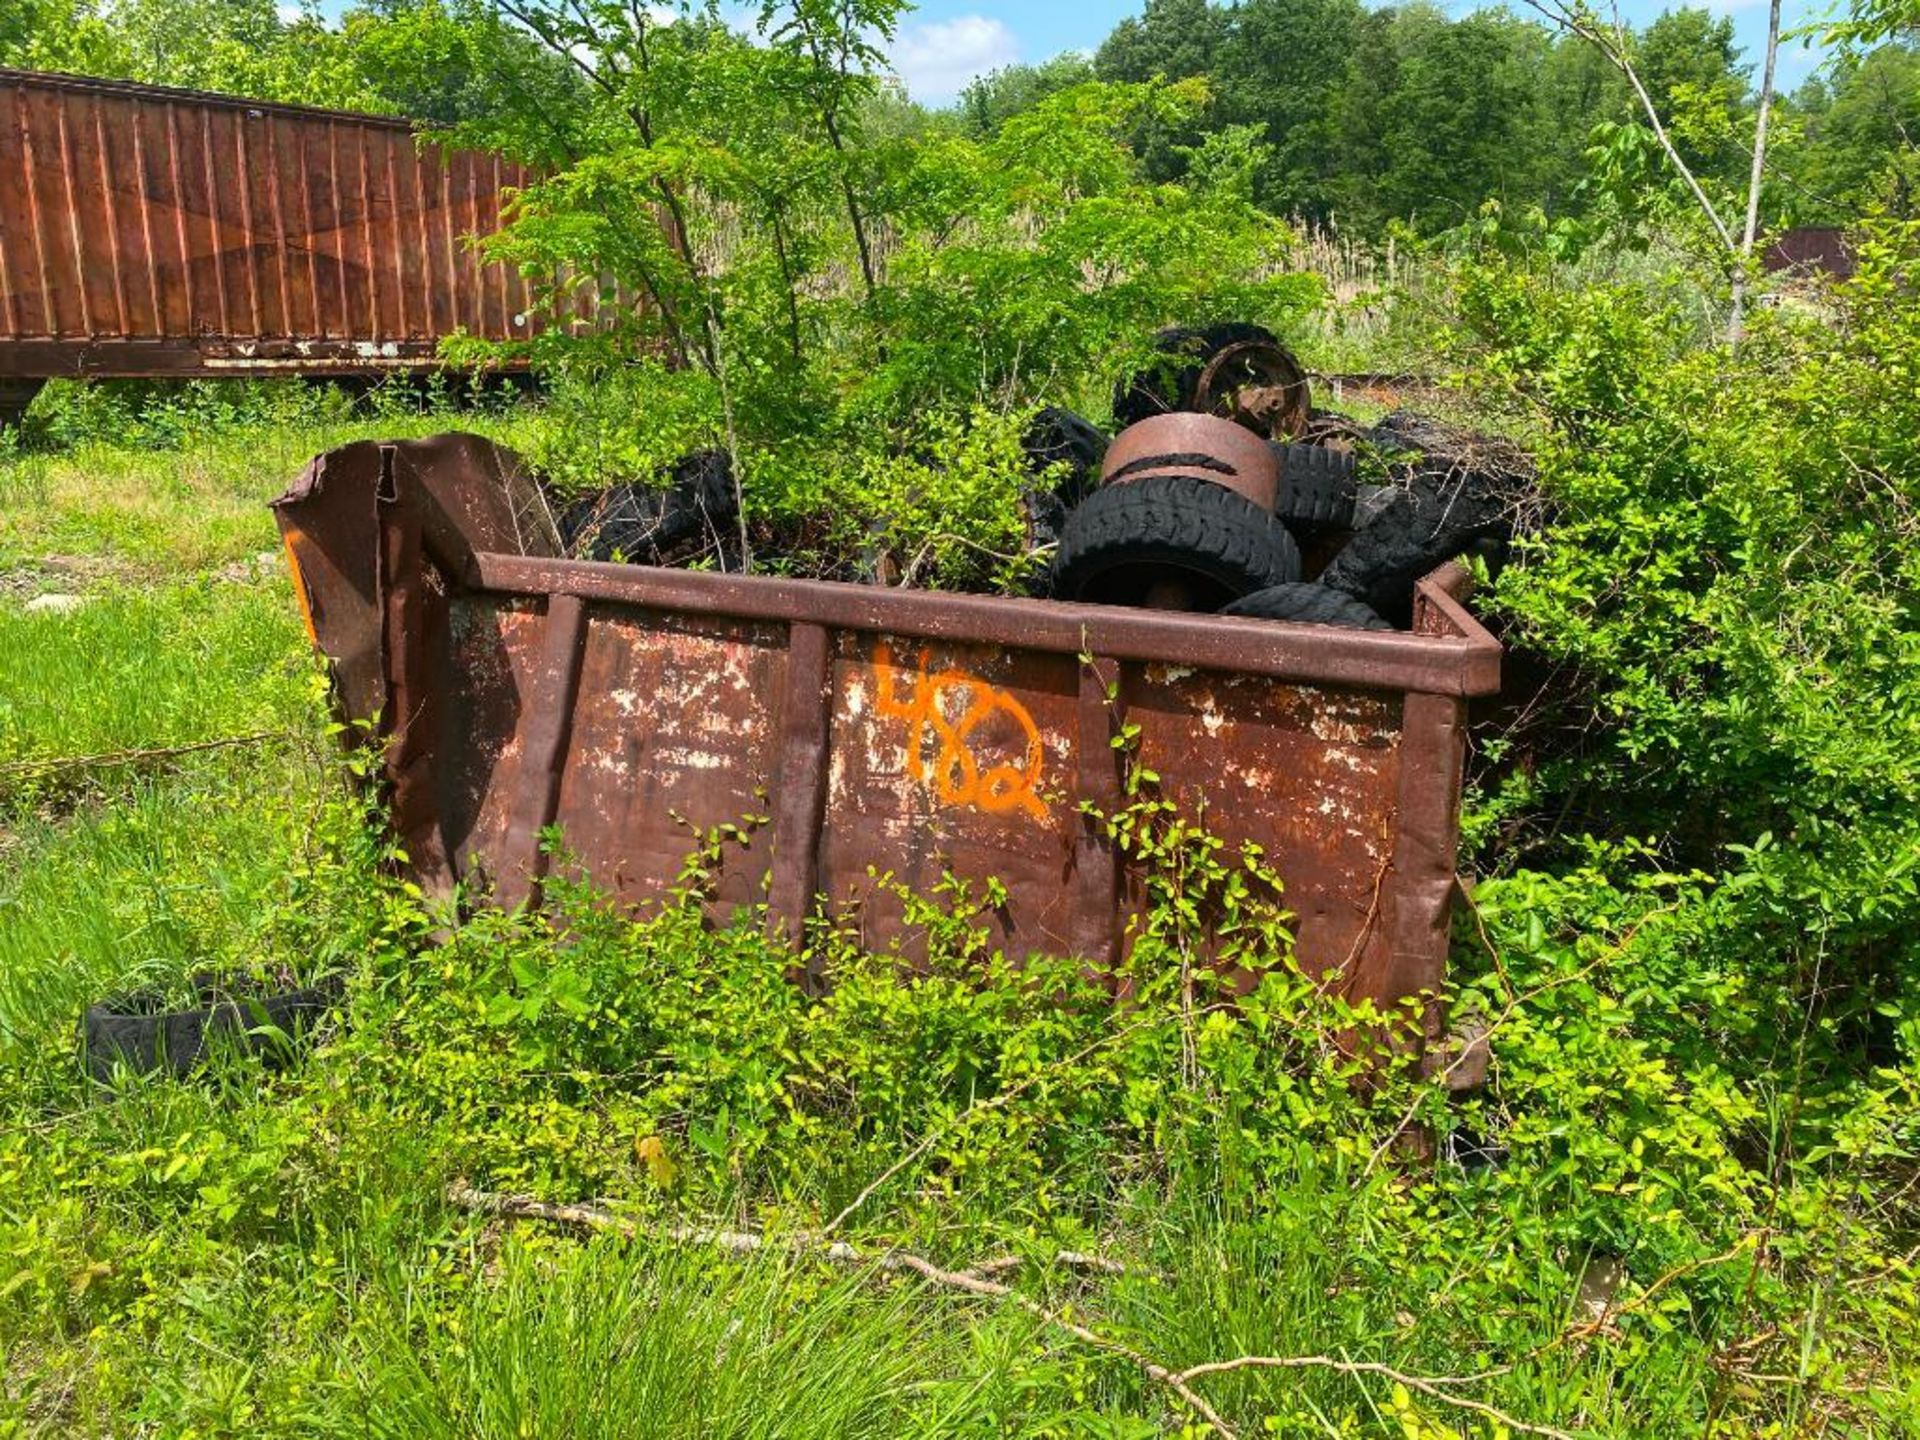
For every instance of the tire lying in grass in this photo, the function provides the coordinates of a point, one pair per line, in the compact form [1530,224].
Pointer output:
[1306,605]
[132,1032]
[1317,488]
[1171,542]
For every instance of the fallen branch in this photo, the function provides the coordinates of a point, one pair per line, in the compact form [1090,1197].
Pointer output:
[593,1218]
[1434,1387]
[975,1281]
[740,1242]
[1063,1259]
[53,763]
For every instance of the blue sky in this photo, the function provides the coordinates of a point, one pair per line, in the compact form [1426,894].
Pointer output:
[945,43]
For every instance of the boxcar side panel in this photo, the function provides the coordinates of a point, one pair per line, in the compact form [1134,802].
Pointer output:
[148,231]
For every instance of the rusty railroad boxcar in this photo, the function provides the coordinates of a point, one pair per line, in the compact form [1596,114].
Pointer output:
[147,231]
[876,729]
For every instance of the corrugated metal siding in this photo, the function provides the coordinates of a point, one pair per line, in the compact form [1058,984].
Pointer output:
[139,214]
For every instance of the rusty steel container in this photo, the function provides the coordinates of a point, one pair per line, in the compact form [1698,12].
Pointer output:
[867,731]
[147,231]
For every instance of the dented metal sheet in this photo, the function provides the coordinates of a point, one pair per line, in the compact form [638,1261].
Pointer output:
[863,738]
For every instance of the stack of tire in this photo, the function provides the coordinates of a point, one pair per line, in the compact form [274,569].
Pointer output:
[1225,493]
[695,514]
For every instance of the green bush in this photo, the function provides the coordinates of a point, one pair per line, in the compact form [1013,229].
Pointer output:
[841,305]
[1715,760]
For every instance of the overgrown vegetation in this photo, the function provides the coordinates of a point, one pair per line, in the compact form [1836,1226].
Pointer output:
[1360,117]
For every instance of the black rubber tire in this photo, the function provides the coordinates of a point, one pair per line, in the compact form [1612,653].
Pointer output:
[1170,385]
[1125,540]
[1410,534]
[16,398]
[1368,502]
[126,1032]
[1057,436]
[645,524]
[1317,488]
[1307,605]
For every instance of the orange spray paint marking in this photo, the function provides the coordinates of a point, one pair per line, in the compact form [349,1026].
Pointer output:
[300,589]
[955,773]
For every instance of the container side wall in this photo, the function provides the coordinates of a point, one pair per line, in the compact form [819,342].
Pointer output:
[675,734]
[952,759]
[1309,773]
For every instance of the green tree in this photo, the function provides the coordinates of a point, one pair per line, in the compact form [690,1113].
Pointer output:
[452,62]
[59,35]
[1438,117]
[1861,145]
[990,101]
[1578,90]
[1687,60]
[1176,39]
[1172,40]
[1281,67]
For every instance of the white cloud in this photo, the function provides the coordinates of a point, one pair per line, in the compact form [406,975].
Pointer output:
[290,14]
[937,59]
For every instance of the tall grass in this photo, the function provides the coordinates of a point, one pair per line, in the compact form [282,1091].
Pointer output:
[615,1340]
[140,669]
[121,868]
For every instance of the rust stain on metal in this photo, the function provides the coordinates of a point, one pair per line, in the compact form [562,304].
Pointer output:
[1183,443]
[153,231]
[864,738]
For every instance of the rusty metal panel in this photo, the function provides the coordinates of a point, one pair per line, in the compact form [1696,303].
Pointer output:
[676,731]
[952,759]
[493,660]
[151,231]
[864,737]
[1309,772]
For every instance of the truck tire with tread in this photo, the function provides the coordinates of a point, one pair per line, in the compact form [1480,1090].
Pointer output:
[1317,487]
[1124,541]
[1307,605]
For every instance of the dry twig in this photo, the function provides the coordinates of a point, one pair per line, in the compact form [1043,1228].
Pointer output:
[975,1281]
[54,763]
[1433,1387]
[593,1218]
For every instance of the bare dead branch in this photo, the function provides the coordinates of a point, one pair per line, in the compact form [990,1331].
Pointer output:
[1614,49]
[1434,1387]
[1736,322]
[742,1242]
[57,763]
